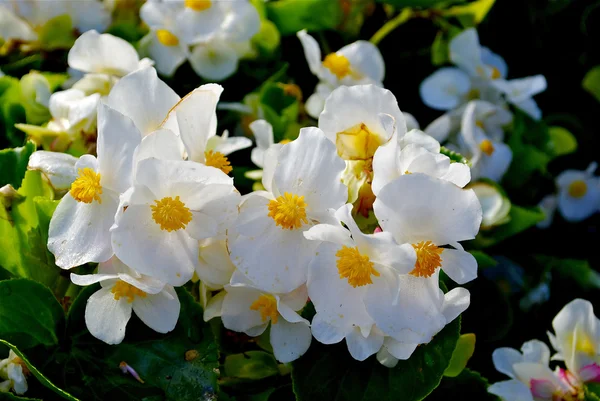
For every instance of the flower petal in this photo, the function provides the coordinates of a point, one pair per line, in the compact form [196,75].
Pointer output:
[290,340]
[103,53]
[106,318]
[158,311]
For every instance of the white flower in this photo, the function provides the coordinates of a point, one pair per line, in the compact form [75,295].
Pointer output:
[79,227]
[200,19]
[390,162]
[530,374]
[576,339]
[171,206]
[489,157]
[214,264]
[446,89]
[13,27]
[349,267]
[263,134]
[13,373]
[494,204]
[250,310]
[358,63]
[304,185]
[520,92]
[578,193]
[164,43]
[477,61]
[432,213]
[123,291]
[58,168]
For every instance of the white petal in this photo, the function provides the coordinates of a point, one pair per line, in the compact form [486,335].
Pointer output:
[504,359]
[329,233]
[198,26]
[106,318]
[311,51]
[214,265]
[456,301]
[144,98]
[365,59]
[386,359]
[465,51]
[459,265]
[536,351]
[108,54]
[167,59]
[15,375]
[290,340]
[79,232]
[161,144]
[398,349]
[89,279]
[444,90]
[360,347]
[59,168]
[385,165]
[229,145]
[214,307]
[214,62]
[158,311]
[13,27]
[236,312]
[512,390]
[314,105]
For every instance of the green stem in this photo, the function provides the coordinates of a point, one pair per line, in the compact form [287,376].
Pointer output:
[392,24]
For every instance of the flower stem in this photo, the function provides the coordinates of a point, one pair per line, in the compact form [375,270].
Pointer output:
[392,24]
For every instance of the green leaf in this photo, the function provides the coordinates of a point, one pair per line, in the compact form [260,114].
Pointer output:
[521,218]
[592,391]
[469,385]
[477,10]
[252,365]
[57,33]
[328,372]
[38,375]
[29,314]
[13,164]
[11,110]
[291,16]
[483,259]
[414,3]
[181,365]
[527,159]
[455,157]
[461,355]
[268,38]
[439,49]
[562,142]
[591,82]
[578,270]
[12,397]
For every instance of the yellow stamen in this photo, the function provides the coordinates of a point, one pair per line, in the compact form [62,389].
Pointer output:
[584,344]
[171,214]
[354,266]
[578,189]
[267,306]
[291,90]
[284,141]
[495,73]
[126,290]
[428,259]
[337,64]
[198,5]
[479,124]
[218,160]
[487,147]
[166,38]
[357,143]
[288,211]
[86,188]
[473,94]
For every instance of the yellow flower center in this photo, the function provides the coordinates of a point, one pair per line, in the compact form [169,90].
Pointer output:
[357,143]
[473,94]
[487,147]
[171,214]
[86,188]
[355,267]
[198,5]
[479,124]
[166,38]
[584,344]
[285,141]
[578,189]
[288,211]
[126,290]
[267,306]
[218,160]
[495,73]
[337,64]
[428,259]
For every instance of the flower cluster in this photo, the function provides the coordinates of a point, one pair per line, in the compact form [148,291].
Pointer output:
[576,340]
[156,207]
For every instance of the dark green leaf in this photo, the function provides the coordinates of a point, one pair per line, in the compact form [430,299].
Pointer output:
[416,3]
[483,259]
[38,375]
[13,164]
[12,397]
[469,385]
[592,392]
[521,218]
[291,16]
[578,270]
[29,314]
[328,372]
[253,365]
[591,82]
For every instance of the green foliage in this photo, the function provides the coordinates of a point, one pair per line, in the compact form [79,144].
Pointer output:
[416,3]
[461,355]
[591,82]
[57,33]
[251,365]
[592,392]
[579,271]
[483,259]
[13,164]
[521,218]
[469,385]
[291,16]
[562,142]
[29,314]
[330,373]
[12,397]
[11,111]
[37,374]
[455,157]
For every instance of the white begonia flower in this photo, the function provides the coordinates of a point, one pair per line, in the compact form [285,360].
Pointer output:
[531,377]
[415,314]
[58,168]
[548,205]
[578,193]
[164,43]
[79,228]
[199,20]
[411,121]
[14,28]
[214,60]
[489,158]
[489,117]
[13,374]
[576,339]
[196,118]
[85,14]
[303,185]
[263,134]
[171,206]
[446,89]
[214,264]
[124,290]
[144,98]
[520,92]
[250,310]
[348,266]
[494,204]
[358,63]
[433,213]
[390,162]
